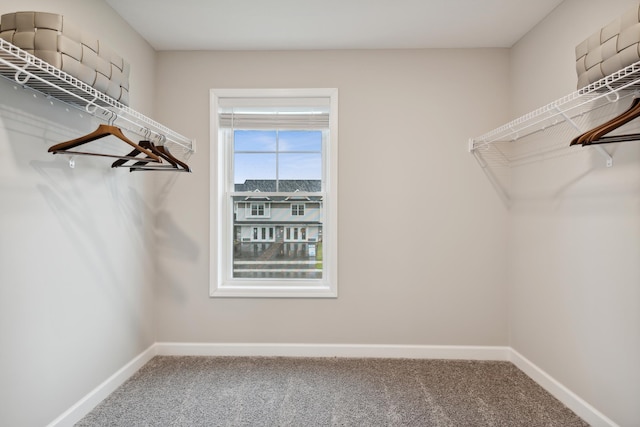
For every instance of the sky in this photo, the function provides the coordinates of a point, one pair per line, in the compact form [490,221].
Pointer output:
[270,154]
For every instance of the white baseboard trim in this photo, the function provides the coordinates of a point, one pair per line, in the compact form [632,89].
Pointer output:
[335,350]
[97,395]
[498,353]
[571,400]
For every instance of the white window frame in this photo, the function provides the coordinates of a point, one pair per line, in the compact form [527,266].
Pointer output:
[222,284]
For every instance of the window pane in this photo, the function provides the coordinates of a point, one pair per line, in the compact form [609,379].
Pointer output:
[253,166]
[303,140]
[300,166]
[279,250]
[254,140]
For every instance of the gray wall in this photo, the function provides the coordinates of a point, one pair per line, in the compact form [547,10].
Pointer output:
[422,236]
[76,245]
[575,233]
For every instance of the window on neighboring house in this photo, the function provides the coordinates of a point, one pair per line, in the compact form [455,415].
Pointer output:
[280,144]
[259,209]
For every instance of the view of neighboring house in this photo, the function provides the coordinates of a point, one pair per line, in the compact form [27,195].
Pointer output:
[278,236]
[284,219]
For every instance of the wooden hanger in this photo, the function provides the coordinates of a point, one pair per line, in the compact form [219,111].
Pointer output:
[163,152]
[142,164]
[101,132]
[597,134]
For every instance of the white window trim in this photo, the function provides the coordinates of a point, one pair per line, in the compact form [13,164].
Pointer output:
[221,230]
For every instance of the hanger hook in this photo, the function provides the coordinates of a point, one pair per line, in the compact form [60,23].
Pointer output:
[88,108]
[26,75]
[113,117]
[616,95]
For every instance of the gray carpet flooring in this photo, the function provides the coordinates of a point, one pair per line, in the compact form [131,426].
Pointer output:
[263,391]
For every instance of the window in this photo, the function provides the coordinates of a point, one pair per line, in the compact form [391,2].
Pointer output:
[274,212]
[258,209]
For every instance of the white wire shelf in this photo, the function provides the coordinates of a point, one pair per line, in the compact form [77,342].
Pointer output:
[547,132]
[29,71]
[567,110]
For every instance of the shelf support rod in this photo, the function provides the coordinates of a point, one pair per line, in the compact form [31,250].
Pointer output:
[604,154]
[568,119]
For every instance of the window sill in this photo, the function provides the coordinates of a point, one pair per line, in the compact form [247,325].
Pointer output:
[275,290]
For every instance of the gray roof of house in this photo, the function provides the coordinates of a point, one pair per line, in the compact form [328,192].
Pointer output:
[284,185]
